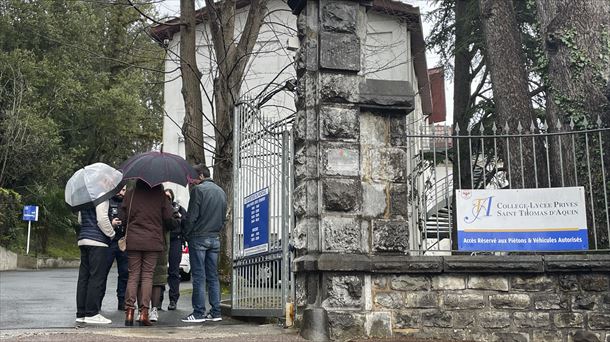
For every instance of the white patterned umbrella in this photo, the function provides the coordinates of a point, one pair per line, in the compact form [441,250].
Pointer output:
[92,185]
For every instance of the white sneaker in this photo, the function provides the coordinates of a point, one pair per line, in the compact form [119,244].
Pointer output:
[154,315]
[97,319]
[80,319]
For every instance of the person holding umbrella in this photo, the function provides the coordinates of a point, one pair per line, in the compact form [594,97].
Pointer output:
[88,191]
[146,211]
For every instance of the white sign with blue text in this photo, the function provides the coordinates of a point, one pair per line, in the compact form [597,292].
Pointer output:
[551,219]
[256,222]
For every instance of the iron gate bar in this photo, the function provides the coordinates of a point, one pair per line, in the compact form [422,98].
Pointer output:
[589,171]
[261,160]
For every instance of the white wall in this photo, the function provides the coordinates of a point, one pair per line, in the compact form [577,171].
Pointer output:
[387,45]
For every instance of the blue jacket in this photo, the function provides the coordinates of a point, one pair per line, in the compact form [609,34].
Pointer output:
[89,229]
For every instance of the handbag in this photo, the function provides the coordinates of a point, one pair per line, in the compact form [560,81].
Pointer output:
[122,243]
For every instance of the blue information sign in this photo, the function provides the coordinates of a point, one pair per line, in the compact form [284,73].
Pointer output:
[256,222]
[30,213]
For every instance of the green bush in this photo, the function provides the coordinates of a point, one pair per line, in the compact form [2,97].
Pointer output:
[11,226]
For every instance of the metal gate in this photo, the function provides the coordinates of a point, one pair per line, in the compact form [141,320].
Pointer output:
[262,188]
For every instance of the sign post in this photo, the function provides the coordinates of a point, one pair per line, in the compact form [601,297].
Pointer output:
[256,222]
[551,219]
[30,213]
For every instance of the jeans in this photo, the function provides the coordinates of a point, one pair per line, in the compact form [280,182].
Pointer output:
[121,262]
[173,271]
[203,254]
[91,277]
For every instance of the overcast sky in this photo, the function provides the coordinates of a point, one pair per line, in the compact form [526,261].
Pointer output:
[171,8]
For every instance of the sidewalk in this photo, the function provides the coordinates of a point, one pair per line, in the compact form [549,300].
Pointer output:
[225,331]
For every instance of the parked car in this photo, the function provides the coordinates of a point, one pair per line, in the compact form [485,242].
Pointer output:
[185,264]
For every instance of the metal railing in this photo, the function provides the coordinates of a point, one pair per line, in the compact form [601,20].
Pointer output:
[262,169]
[510,157]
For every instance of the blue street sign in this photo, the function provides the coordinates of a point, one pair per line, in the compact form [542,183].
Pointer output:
[30,213]
[256,222]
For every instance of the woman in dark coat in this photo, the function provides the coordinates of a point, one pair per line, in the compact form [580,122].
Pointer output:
[145,210]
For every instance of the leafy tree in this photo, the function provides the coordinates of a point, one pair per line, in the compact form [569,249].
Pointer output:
[80,83]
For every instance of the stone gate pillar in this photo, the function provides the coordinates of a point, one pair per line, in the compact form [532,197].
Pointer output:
[350,161]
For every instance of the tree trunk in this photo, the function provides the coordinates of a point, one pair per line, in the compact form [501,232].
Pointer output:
[192,128]
[231,58]
[576,38]
[461,92]
[505,61]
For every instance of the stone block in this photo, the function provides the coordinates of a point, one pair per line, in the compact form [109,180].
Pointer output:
[532,319]
[464,301]
[398,130]
[339,51]
[340,16]
[547,336]
[386,164]
[446,282]
[533,283]
[389,300]
[510,301]
[341,234]
[568,282]
[339,123]
[549,302]
[605,302]
[406,319]
[489,264]
[399,200]
[422,300]
[509,337]
[392,96]
[345,326]
[300,285]
[374,202]
[599,321]
[390,235]
[299,128]
[339,88]
[300,164]
[378,324]
[463,320]
[568,320]
[373,130]
[410,283]
[343,292]
[584,336]
[585,301]
[392,263]
[341,160]
[341,194]
[308,85]
[380,282]
[301,231]
[494,319]
[299,201]
[439,319]
[494,283]
[594,282]
[578,263]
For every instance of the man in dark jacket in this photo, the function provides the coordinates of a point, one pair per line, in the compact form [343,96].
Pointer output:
[205,218]
[115,253]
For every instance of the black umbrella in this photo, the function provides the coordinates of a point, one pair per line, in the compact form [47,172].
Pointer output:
[157,167]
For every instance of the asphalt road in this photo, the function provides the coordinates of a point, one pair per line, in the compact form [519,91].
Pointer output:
[40,305]
[47,299]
